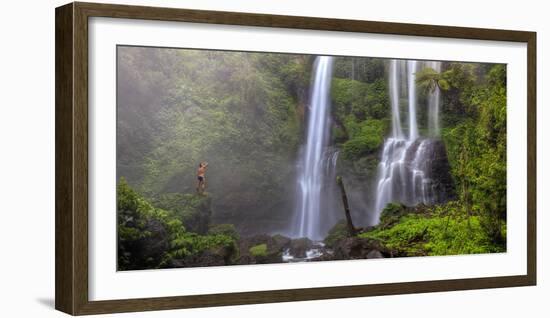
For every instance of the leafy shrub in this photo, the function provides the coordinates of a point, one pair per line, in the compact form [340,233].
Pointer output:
[193,210]
[391,213]
[367,137]
[149,237]
[224,229]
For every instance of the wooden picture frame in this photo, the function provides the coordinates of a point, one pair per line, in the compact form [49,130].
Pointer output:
[71,124]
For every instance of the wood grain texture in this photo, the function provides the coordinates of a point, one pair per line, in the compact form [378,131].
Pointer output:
[532,158]
[72,157]
[64,235]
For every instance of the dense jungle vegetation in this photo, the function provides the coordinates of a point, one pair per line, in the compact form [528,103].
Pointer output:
[244,113]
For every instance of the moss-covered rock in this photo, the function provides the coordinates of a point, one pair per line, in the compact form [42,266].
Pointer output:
[258,251]
[262,249]
[150,237]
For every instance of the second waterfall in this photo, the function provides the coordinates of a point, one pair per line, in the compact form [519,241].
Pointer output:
[412,169]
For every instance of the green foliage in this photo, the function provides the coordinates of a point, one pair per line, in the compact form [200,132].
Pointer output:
[338,232]
[461,79]
[193,210]
[149,237]
[259,250]
[244,114]
[477,153]
[360,110]
[440,231]
[187,244]
[349,96]
[359,99]
[241,112]
[391,213]
[429,79]
[365,138]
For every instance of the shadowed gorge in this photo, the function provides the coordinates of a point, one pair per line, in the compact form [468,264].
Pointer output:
[419,147]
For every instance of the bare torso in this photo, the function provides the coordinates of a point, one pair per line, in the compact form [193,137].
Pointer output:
[201,171]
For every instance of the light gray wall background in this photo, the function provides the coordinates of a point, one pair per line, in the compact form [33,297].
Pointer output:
[27,158]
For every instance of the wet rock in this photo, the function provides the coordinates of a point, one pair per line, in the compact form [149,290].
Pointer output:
[374,254]
[281,242]
[262,249]
[299,247]
[338,232]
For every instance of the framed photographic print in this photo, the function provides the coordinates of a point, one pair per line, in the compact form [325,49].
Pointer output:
[211,158]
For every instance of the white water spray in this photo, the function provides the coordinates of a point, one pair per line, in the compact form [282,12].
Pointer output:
[406,168]
[411,75]
[312,166]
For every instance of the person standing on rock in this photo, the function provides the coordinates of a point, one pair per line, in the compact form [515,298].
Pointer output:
[201,179]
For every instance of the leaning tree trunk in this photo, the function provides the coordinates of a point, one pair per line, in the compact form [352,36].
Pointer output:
[352,231]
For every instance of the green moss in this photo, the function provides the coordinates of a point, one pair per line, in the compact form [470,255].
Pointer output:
[259,250]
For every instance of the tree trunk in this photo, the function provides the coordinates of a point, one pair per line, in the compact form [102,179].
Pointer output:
[352,231]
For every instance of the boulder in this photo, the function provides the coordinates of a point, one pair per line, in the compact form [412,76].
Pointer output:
[357,248]
[217,256]
[281,242]
[262,249]
[299,247]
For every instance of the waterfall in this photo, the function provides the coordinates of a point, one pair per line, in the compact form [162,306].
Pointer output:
[314,163]
[413,126]
[394,97]
[412,170]
[433,103]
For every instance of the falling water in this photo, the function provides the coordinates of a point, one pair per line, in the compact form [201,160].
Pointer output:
[433,103]
[408,169]
[413,126]
[312,166]
[394,96]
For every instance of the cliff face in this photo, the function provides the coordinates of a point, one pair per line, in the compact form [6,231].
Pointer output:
[429,156]
[440,172]
[194,211]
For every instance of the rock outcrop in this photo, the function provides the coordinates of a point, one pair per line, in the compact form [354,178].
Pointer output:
[262,249]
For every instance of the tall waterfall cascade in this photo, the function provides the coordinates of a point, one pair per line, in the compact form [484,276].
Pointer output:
[411,168]
[317,161]
[411,78]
